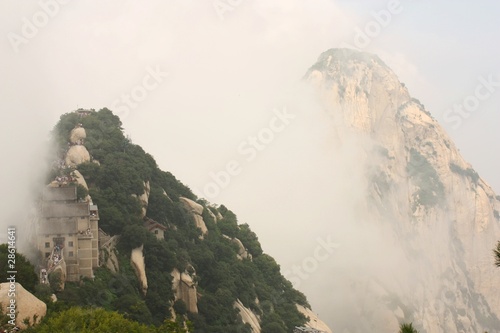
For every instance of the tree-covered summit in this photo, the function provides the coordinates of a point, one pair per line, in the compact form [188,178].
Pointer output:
[117,174]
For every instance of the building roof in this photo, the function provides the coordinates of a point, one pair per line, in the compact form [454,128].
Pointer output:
[59,210]
[67,193]
[151,224]
[81,110]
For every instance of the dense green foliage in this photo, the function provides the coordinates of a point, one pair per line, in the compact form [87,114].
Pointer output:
[407,328]
[116,176]
[118,169]
[496,254]
[25,271]
[91,320]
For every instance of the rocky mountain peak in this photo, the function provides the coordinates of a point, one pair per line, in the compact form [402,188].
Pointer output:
[368,92]
[441,215]
[342,58]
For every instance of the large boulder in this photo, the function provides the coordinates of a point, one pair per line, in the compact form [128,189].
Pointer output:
[27,306]
[191,206]
[76,155]
[79,179]
[242,251]
[200,224]
[196,210]
[77,135]
[212,215]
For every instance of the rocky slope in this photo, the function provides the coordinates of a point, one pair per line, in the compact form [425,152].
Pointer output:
[440,215]
[28,307]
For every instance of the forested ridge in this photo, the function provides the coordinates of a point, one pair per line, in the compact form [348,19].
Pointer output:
[116,176]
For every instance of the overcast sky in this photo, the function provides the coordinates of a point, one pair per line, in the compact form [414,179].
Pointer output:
[203,76]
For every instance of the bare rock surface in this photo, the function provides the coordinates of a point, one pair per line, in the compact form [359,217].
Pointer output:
[27,305]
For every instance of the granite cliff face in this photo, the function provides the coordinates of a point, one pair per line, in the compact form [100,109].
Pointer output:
[440,214]
[29,308]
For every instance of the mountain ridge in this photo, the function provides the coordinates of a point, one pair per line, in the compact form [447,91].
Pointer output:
[201,265]
[434,216]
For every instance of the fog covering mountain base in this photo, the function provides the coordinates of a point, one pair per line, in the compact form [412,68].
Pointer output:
[418,233]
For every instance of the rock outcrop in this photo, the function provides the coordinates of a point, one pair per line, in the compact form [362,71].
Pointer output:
[248,316]
[212,215]
[196,210]
[242,251]
[137,262]
[144,198]
[28,306]
[79,179]
[76,155]
[314,321]
[434,208]
[77,135]
[191,206]
[185,289]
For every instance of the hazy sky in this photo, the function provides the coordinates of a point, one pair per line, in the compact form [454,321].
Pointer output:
[193,80]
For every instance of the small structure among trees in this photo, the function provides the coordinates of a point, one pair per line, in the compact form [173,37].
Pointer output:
[155,228]
[84,112]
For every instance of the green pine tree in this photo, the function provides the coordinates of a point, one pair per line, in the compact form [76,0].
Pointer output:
[407,328]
